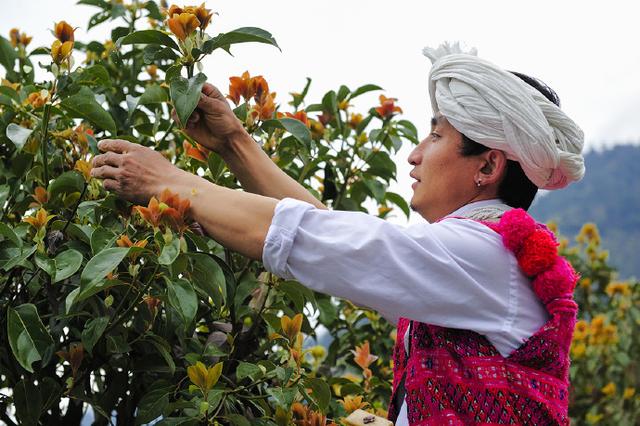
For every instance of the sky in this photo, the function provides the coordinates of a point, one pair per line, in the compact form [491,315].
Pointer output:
[586,51]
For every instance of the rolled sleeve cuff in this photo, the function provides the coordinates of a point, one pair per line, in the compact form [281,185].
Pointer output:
[281,234]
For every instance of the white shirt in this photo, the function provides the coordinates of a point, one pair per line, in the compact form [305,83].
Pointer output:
[454,273]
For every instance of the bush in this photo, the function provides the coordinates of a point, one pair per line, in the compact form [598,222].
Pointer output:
[131,310]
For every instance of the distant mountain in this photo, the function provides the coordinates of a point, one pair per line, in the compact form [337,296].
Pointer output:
[608,195]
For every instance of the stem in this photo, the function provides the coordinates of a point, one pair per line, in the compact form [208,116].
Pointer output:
[189,70]
[75,209]
[43,142]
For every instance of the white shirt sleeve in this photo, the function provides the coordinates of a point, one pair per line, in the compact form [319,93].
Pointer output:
[455,273]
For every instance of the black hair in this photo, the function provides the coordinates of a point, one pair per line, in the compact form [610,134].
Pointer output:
[516,190]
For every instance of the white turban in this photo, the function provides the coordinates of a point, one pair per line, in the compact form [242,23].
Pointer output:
[497,109]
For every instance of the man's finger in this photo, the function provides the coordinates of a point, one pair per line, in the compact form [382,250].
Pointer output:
[111,185]
[116,145]
[105,172]
[108,158]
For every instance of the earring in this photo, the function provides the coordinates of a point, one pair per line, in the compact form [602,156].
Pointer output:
[478,183]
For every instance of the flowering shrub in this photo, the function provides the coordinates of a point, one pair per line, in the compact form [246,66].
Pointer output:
[605,368]
[129,309]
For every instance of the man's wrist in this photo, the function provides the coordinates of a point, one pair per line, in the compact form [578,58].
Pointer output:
[237,142]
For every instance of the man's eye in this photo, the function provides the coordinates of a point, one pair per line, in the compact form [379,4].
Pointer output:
[434,135]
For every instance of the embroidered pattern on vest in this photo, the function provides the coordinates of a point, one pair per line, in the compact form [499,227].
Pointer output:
[457,377]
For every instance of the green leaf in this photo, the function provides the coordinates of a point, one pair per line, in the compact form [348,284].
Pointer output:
[100,265]
[183,299]
[216,165]
[208,276]
[239,420]
[27,336]
[149,37]
[67,263]
[28,402]
[152,404]
[95,75]
[240,35]
[8,233]
[22,254]
[83,105]
[18,135]
[164,349]
[298,129]
[46,264]
[93,331]
[102,238]
[66,183]
[185,95]
[364,89]
[153,94]
[398,201]
[8,54]
[376,188]
[321,394]
[170,252]
[246,369]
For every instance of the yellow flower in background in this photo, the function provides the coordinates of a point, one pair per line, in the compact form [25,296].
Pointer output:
[589,234]
[609,389]
[594,418]
[620,288]
[362,356]
[352,403]
[203,377]
[585,283]
[628,393]
[578,350]
[64,32]
[61,51]
[84,167]
[581,330]
[291,327]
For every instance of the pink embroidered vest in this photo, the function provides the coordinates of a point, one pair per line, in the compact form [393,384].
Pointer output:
[457,377]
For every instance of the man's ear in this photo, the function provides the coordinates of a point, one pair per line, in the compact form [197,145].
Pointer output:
[492,167]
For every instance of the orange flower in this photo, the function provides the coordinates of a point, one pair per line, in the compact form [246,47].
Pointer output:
[37,99]
[362,356]
[291,327]
[260,88]
[175,209]
[64,32]
[81,133]
[124,241]
[73,356]
[40,219]
[264,110]
[152,70]
[18,39]
[183,24]
[152,304]
[300,116]
[198,152]
[354,120]
[61,51]
[245,87]
[7,83]
[352,403]
[173,10]
[387,107]
[325,118]
[203,15]
[41,196]
[304,416]
[152,213]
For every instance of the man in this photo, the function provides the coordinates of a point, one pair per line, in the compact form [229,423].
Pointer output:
[456,287]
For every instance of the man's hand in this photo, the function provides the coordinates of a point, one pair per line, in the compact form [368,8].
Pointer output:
[213,124]
[134,172]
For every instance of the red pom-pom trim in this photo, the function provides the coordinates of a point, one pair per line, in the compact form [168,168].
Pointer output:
[556,282]
[538,252]
[515,226]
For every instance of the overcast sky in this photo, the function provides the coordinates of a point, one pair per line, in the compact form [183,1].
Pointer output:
[586,50]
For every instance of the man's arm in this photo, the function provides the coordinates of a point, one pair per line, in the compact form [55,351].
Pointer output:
[214,125]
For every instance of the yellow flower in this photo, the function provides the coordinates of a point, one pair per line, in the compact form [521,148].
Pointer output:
[183,24]
[84,167]
[610,334]
[318,352]
[609,389]
[64,32]
[594,418]
[578,350]
[585,283]
[589,233]
[597,323]
[553,227]
[581,331]
[628,393]
[203,377]
[352,403]
[291,327]
[382,210]
[40,219]
[621,288]
[61,51]
[352,377]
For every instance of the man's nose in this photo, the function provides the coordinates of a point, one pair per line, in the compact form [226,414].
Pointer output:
[416,155]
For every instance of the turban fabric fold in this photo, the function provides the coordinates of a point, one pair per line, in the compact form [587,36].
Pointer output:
[497,109]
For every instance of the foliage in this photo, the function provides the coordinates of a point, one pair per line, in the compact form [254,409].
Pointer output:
[608,195]
[605,369]
[131,310]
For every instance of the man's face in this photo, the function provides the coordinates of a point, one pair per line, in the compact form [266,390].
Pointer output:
[444,178]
